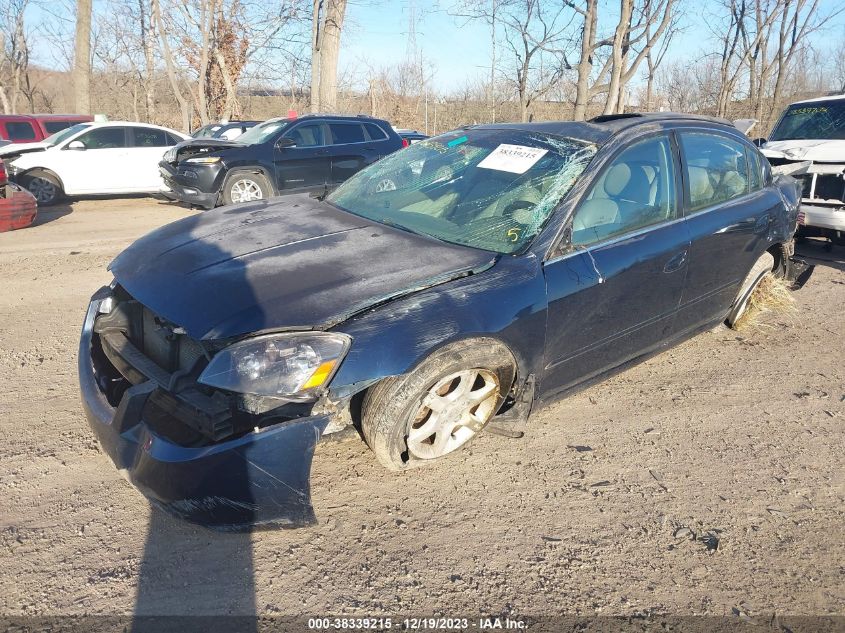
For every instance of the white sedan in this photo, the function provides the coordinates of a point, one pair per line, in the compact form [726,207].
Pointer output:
[92,159]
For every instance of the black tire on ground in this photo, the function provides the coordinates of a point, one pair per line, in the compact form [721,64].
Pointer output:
[44,186]
[241,184]
[763,266]
[391,407]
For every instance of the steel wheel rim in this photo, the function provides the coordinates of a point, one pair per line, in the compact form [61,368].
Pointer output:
[385,185]
[246,190]
[453,410]
[43,190]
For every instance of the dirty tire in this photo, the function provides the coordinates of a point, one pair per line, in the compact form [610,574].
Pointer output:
[764,265]
[391,407]
[245,186]
[44,186]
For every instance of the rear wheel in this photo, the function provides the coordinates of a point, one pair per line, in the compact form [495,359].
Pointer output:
[439,406]
[762,267]
[245,187]
[43,186]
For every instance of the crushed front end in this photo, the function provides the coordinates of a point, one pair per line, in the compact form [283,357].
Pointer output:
[226,460]
[822,195]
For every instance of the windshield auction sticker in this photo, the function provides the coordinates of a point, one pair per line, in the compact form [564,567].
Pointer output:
[516,159]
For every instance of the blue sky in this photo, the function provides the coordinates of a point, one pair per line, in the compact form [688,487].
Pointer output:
[377,35]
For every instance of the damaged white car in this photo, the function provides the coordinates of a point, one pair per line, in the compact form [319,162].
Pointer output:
[808,143]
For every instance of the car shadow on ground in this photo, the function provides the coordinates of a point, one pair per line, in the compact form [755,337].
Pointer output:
[46,215]
[214,589]
[821,253]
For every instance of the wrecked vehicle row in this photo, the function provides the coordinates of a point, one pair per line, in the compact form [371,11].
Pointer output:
[503,267]
[808,143]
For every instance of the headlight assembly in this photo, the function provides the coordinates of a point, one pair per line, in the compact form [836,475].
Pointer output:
[278,365]
[203,160]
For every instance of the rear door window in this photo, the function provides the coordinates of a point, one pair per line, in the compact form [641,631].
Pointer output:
[104,138]
[20,131]
[56,126]
[149,137]
[716,169]
[344,133]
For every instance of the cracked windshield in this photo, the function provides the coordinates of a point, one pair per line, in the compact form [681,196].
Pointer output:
[824,120]
[488,189]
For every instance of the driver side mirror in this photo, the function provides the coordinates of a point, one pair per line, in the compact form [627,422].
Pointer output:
[76,145]
[284,142]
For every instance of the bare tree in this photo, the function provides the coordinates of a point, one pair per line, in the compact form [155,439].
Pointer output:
[147,32]
[642,25]
[488,12]
[170,66]
[14,55]
[327,26]
[534,59]
[82,57]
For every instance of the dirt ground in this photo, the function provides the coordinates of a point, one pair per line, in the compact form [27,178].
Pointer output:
[708,480]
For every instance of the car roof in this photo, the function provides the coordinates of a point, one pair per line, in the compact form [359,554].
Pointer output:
[29,117]
[326,115]
[818,99]
[96,124]
[601,128]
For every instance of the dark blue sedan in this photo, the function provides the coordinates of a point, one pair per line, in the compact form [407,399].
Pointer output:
[452,287]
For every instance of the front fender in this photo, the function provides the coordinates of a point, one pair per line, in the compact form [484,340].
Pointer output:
[506,302]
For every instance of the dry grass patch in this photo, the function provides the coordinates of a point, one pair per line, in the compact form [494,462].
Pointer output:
[771,296]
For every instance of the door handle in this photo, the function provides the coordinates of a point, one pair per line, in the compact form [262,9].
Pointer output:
[676,262]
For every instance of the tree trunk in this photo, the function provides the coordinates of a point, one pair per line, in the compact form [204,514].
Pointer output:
[184,106]
[82,58]
[147,37]
[316,42]
[329,53]
[614,91]
[585,64]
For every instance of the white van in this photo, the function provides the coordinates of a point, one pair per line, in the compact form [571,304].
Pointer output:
[808,143]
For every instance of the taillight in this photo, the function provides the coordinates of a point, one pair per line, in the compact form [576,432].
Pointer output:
[3,177]
[405,142]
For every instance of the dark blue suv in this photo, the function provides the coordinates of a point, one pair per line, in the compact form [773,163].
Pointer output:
[303,154]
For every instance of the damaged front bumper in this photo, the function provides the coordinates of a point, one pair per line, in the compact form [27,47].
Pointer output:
[258,479]
[192,186]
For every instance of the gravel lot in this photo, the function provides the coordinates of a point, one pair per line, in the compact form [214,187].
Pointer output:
[710,479]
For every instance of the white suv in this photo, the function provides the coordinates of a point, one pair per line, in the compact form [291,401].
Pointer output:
[808,143]
[92,159]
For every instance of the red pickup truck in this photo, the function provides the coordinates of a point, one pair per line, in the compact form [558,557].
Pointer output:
[31,128]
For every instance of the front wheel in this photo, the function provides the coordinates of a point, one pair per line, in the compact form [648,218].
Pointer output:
[44,187]
[245,187]
[439,406]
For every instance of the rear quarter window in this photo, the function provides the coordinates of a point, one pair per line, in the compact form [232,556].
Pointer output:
[375,132]
[755,169]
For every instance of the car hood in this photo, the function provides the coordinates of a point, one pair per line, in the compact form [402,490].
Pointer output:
[807,149]
[12,151]
[198,146]
[290,263]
